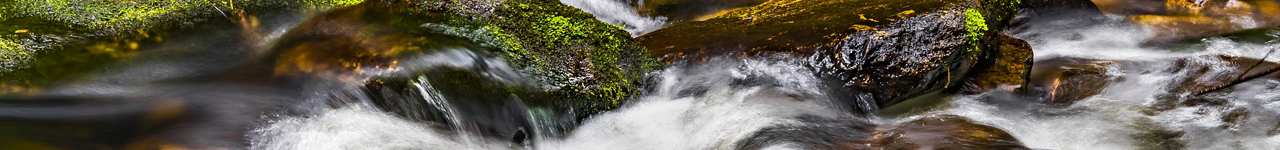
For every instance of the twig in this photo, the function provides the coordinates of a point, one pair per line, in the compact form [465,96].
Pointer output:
[215,7]
[1241,78]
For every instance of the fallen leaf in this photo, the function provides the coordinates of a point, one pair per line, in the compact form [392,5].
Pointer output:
[21,31]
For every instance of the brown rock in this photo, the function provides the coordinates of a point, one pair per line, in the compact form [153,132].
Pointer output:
[1181,19]
[1009,69]
[945,133]
[1063,81]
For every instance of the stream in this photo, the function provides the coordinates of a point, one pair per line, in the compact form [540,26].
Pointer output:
[205,87]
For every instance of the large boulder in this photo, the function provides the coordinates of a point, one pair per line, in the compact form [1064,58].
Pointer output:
[581,62]
[886,50]
[551,58]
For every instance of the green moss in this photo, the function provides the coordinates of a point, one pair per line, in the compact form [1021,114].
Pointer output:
[115,15]
[11,51]
[54,23]
[555,38]
[977,28]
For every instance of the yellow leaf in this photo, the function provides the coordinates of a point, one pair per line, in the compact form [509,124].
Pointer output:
[21,31]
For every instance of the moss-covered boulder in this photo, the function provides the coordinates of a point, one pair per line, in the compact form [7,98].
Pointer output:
[887,50]
[30,27]
[582,62]
[578,61]
[43,42]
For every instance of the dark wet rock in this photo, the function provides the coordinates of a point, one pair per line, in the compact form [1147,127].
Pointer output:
[1075,12]
[692,10]
[890,50]
[457,100]
[1009,70]
[815,133]
[1063,81]
[945,132]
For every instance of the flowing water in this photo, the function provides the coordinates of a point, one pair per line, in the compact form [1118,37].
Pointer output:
[619,12]
[721,103]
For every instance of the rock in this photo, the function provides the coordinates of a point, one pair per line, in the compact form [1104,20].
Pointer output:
[1174,20]
[1049,12]
[693,10]
[1205,78]
[1048,7]
[1063,81]
[61,24]
[584,64]
[945,132]
[1127,7]
[1009,69]
[459,100]
[891,50]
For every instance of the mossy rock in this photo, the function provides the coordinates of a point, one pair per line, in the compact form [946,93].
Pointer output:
[39,25]
[887,50]
[582,63]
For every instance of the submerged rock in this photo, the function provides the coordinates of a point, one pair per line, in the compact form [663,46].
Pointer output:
[885,50]
[945,132]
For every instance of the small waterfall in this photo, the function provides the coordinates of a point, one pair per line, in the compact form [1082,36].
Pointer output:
[713,105]
[620,13]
